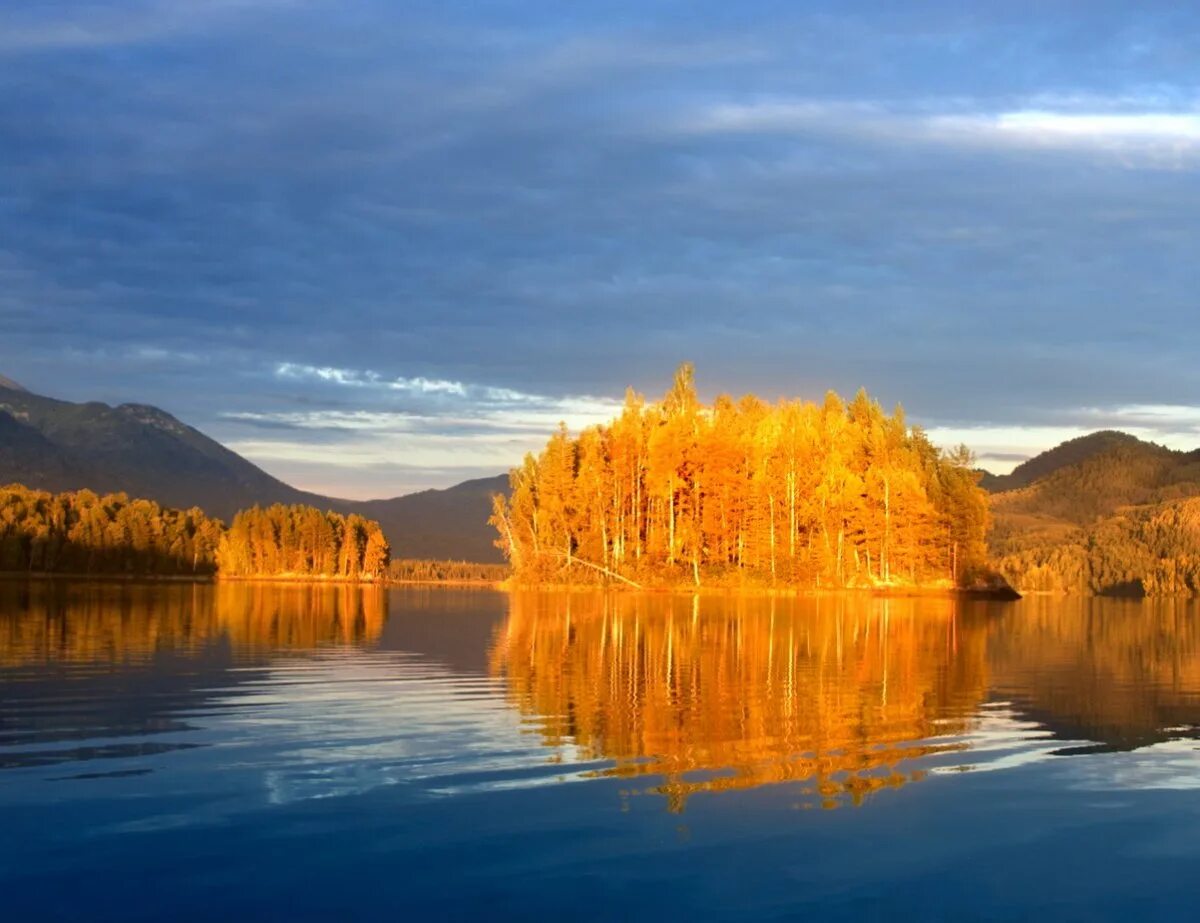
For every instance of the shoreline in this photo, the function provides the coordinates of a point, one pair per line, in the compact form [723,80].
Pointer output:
[997,594]
[342,581]
[107,578]
[477,584]
[896,592]
[214,579]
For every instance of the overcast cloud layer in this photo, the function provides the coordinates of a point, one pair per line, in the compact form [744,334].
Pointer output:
[377,246]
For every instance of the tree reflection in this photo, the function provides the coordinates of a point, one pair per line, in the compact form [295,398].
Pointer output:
[1119,673]
[48,622]
[714,694]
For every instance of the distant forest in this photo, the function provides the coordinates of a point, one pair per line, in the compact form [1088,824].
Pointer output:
[424,571]
[676,493]
[299,540]
[82,532]
[1119,516]
[745,493]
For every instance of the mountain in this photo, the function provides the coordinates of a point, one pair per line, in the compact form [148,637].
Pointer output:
[1106,513]
[140,450]
[1103,513]
[448,524]
[1071,452]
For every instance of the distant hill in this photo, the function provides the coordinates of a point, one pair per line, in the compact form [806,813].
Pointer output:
[448,524]
[1071,452]
[141,450]
[57,445]
[1105,513]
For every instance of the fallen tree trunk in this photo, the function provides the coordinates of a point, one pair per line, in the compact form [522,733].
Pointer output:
[597,567]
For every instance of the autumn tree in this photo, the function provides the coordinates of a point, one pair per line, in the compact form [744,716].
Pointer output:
[828,494]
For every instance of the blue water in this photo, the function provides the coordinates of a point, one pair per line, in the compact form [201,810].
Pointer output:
[295,753]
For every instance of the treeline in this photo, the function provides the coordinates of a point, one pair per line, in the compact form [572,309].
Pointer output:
[834,494]
[420,571]
[1150,550]
[1124,521]
[82,532]
[286,541]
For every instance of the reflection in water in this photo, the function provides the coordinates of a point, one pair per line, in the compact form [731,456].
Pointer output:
[1120,674]
[92,669]
[714,694]
[270,693]
[339,689]
[261,751]
[45,622]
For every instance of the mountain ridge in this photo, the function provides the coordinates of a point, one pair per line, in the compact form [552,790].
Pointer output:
[1062,455]
[1107,514]
[144,451]
[1087,512]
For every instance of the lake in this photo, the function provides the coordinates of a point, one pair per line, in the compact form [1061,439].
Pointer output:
[277,752]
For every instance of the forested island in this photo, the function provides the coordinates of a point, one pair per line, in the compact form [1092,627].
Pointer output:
[81,532]
[745,493]
[675,493]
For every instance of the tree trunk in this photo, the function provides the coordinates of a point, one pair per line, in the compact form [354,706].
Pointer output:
[886,562]
[771,513]
[671,528]
[792,516]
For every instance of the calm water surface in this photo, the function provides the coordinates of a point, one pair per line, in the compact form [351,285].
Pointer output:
[295,753]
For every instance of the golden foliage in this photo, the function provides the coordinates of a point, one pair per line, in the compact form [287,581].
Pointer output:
[287,541]
[83,533]
[744,492]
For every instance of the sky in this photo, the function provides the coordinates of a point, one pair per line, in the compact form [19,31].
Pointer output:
[377,247]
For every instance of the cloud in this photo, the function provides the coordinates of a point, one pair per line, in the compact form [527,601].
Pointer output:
[1170,420]
[367,226]
[1169,140]
[89,25]
[1004,458]
[1000,448]
[482,399]
[402,426]
[1151,137]
[1102,128]
[369,379]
